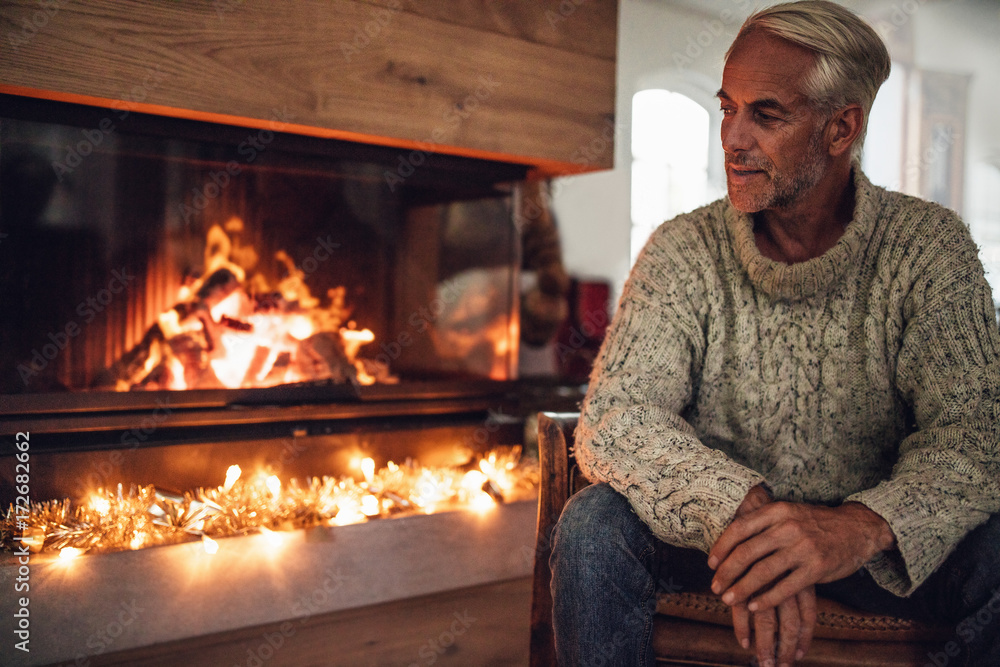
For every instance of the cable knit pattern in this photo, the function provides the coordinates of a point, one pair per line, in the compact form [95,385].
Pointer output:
[869,374]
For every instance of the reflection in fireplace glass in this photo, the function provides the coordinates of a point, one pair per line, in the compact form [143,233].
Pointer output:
[151,254]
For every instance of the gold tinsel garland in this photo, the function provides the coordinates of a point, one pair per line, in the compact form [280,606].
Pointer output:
[143,516]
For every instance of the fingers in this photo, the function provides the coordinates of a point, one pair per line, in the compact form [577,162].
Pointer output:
[750,553]
[789,623]
[741,624]
[807,612]
[740,530]
[796,580]
[764,628]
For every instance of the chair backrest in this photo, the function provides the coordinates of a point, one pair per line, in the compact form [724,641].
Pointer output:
[556,468]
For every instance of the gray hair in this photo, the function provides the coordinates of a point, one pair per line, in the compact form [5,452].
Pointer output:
[851,59]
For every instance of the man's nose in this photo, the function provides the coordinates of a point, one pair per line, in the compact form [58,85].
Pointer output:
[736,134]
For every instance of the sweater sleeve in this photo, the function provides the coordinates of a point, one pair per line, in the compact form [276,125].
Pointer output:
[631,434]
[946,479]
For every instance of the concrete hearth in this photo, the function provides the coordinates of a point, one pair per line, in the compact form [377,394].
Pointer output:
[106,603]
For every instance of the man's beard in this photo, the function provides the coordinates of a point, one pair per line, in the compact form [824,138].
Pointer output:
[781,189]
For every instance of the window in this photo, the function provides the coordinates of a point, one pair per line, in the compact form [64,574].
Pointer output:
[670,146]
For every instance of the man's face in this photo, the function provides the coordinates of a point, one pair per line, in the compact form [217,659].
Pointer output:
[773,140]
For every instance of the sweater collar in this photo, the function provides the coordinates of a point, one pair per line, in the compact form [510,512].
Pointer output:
[804,279]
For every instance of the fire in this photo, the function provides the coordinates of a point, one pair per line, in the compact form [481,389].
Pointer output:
[232,328]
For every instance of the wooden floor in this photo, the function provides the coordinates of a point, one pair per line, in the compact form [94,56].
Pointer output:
[481,626]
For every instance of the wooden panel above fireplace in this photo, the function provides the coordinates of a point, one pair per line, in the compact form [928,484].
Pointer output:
[520,81]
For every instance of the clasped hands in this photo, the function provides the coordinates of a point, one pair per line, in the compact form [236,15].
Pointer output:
[768,559]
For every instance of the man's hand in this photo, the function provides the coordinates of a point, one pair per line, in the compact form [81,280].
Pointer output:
[780,548]
[786,631]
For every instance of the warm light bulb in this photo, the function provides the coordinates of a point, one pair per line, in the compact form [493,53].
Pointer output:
[368,469]
[69,553]
[272,538]
[274,486]
[211,546]
[232,474]
[482,502]
[473,481]
[370,505]
[137,540]
[101,505]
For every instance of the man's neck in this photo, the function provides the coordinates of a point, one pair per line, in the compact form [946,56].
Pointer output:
[811,225]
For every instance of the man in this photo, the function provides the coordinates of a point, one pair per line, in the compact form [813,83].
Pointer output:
[802,381]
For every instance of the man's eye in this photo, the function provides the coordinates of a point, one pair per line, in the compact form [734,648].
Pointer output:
[728,111]
[766,117]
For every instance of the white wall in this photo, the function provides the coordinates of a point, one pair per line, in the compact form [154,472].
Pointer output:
[680,44]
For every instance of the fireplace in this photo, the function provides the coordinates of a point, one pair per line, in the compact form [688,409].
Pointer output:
[159,254]
[337,323]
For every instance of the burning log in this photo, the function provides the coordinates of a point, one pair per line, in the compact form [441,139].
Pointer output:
[229,330]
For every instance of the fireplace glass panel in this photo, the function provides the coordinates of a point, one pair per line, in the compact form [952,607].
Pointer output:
[150,254]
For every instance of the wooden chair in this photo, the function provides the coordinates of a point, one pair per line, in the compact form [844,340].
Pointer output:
[697,623]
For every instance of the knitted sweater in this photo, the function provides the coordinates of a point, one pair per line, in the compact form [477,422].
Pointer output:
[868,374]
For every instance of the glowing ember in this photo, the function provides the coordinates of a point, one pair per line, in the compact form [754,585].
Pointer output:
[233,327]
[69,553]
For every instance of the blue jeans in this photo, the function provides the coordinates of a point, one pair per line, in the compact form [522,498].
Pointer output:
[607,570]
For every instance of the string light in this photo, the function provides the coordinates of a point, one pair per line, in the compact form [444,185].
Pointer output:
[140,517]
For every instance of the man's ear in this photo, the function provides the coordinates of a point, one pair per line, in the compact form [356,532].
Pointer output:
[844,128]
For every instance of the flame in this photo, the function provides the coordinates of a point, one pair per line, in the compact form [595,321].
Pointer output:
[300,327]
[69,553]
[233,327]
[274,486]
